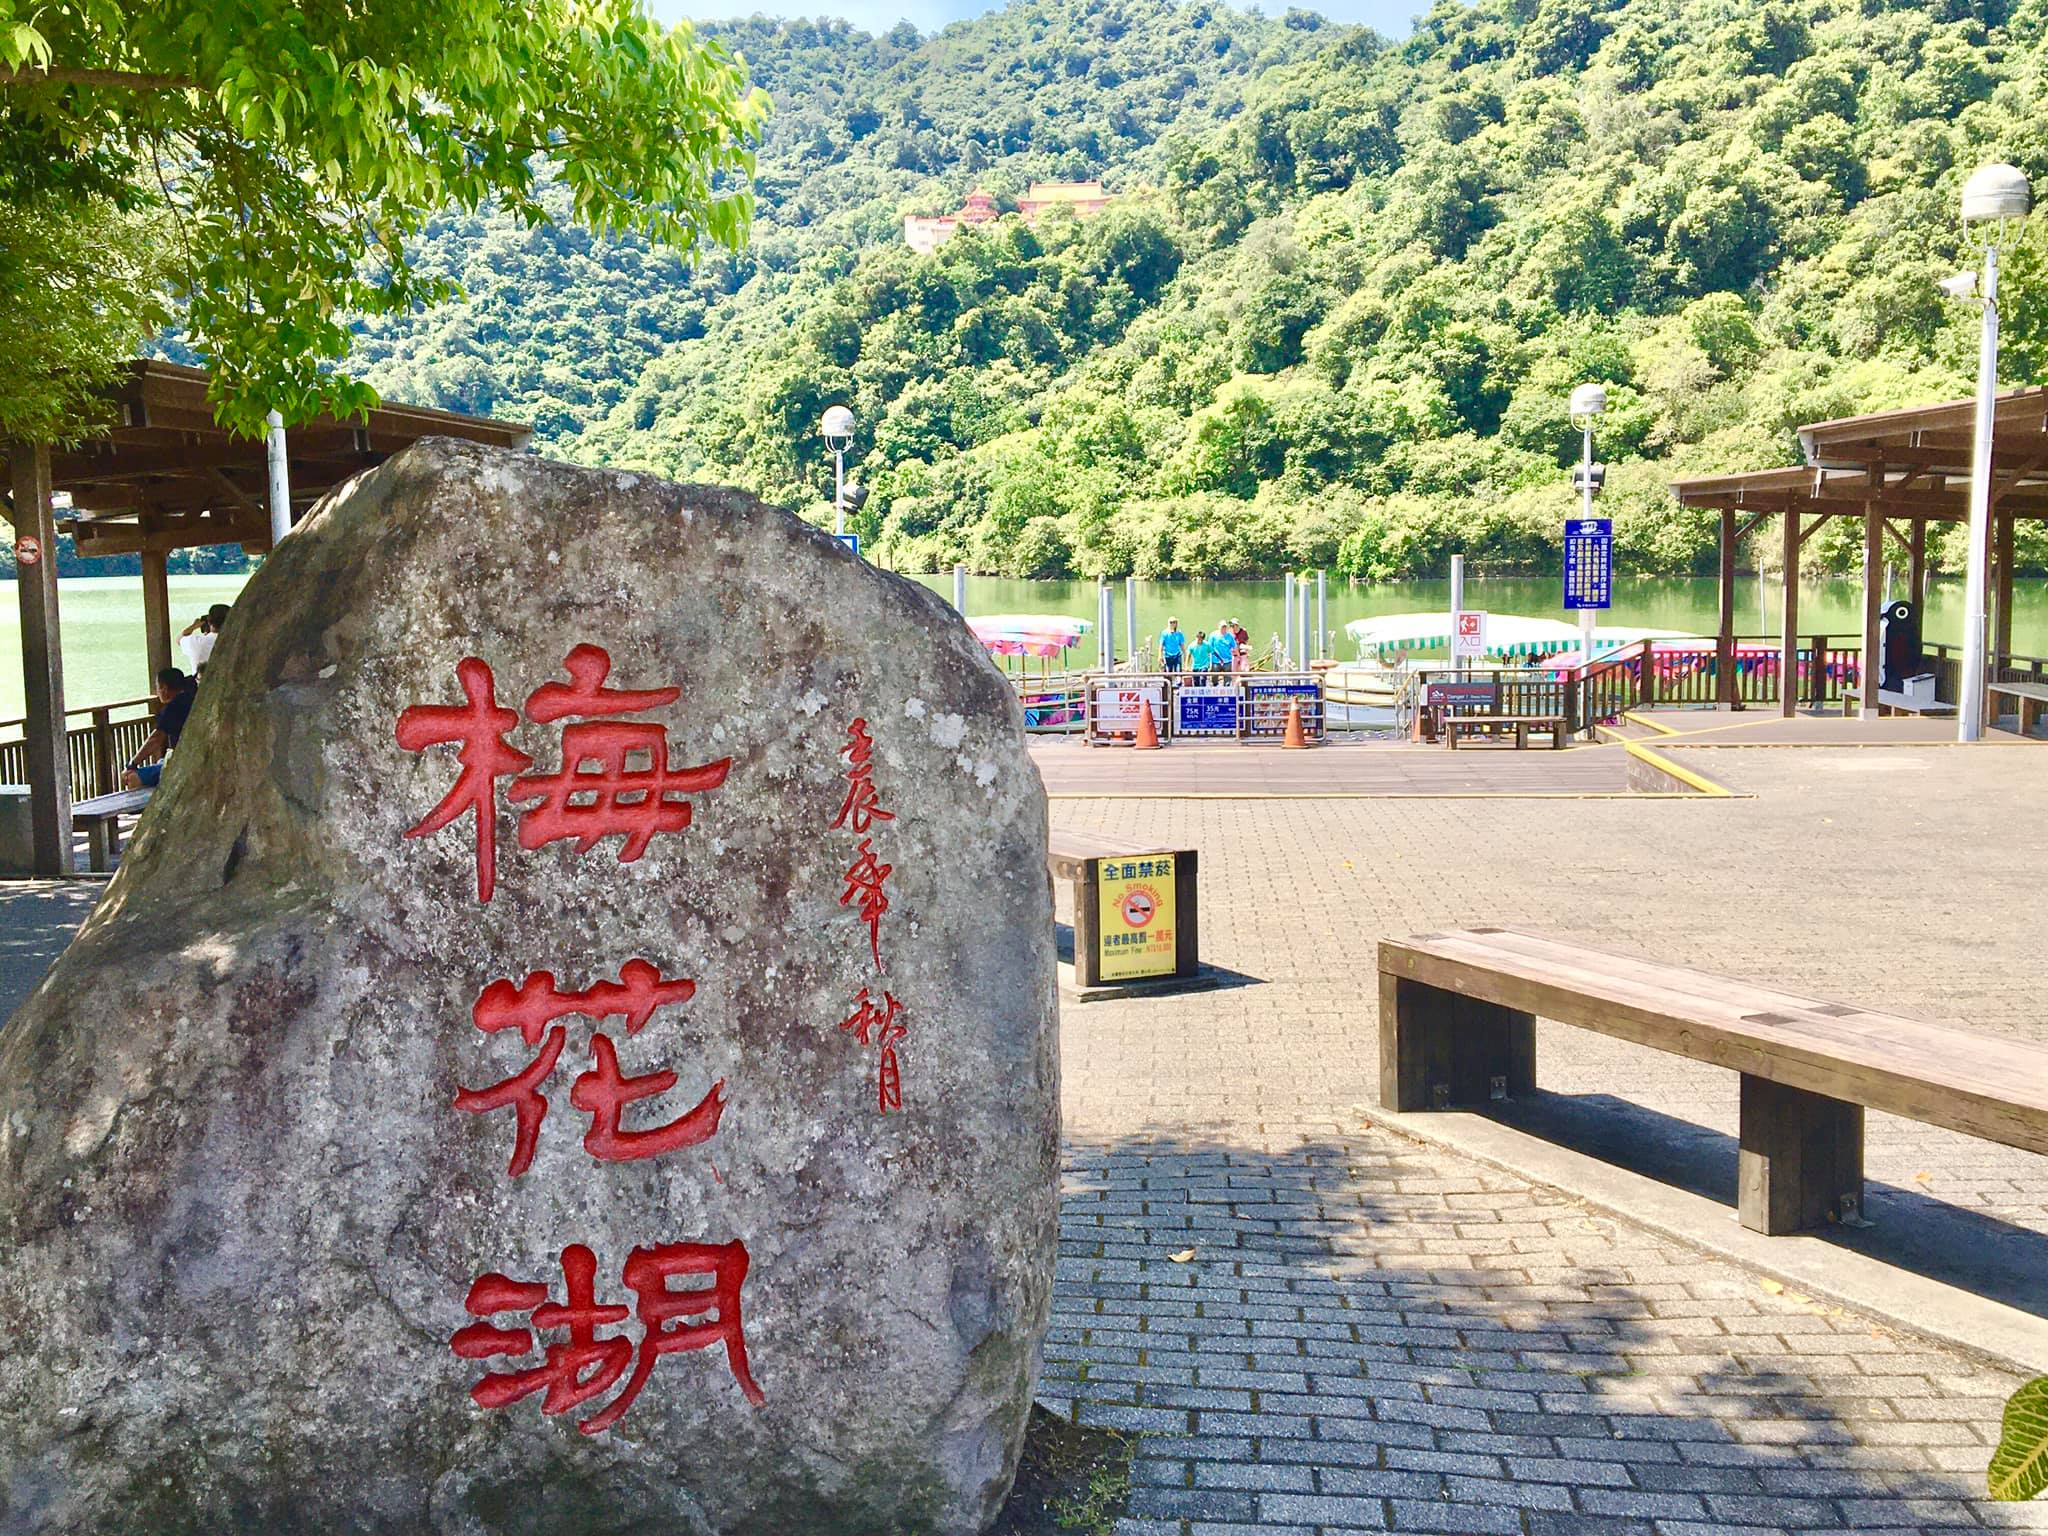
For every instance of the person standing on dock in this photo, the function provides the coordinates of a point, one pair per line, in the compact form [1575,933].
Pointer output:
[1221,645]
[1173,646]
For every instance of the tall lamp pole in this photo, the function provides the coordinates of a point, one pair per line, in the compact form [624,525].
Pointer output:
[1588,401]
[1997,196]
[837,430]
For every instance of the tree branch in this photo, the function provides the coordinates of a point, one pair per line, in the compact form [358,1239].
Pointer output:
[116,79]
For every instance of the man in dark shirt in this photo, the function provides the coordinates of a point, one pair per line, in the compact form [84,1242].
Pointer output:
[175,692]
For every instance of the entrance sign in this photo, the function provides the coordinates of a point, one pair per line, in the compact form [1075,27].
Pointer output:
[1468,635]
[1136,932]
[1589,563]
[1203,710]
[595,1044]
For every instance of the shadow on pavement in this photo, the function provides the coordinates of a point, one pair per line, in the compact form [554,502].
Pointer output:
[37,920]
[1910,1228]
[1363,1333]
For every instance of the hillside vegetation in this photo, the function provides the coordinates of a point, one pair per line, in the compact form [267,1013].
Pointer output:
[1335,316]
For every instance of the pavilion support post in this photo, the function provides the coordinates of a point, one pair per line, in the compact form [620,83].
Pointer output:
[1725,692]
[1870,670]
[1916,577]
[156,613]
[2001,597]
[1788,651]
[42,665]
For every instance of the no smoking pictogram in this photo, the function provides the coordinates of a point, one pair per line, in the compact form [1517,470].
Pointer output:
[1139,907]
[27,550]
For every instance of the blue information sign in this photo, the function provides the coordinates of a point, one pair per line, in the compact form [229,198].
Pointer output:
[1205,711]
[1589,562]
[850,540]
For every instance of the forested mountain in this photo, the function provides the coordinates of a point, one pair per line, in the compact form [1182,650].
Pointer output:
[557,325]
[1346,290]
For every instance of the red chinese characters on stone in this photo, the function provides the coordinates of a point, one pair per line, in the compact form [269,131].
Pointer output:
[485,756]
[584,1366]
[862,807]
[603,1092]
[864,880]
[600,790]
[872,1025]
[615,797]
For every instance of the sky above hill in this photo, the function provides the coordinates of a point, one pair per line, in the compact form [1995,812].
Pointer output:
[1391,18]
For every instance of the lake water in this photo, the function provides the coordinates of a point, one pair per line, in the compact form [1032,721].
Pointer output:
[1687,604]
[105,659]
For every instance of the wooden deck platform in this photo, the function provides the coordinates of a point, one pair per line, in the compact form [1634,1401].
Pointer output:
[1756,728]
[1340,768]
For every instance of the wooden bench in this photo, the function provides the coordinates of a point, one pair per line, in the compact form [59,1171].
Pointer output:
[1077,858]
[1519,726]
[101,818]
[2030,697]
[1458,1015]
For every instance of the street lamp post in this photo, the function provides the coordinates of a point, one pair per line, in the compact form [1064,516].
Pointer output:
[837,430]
[1998,196]
[1588,401]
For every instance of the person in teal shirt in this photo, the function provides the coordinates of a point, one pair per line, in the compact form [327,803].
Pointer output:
[1198,659]
[1220,647]
[1173,646]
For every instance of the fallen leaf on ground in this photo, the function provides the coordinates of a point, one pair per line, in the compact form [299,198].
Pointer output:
[1183,1256]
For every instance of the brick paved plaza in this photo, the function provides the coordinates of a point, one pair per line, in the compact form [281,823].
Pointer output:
[1371,1334]
[1319,1326]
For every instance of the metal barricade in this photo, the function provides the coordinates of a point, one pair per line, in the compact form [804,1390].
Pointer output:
[1267,698]
[1114,701]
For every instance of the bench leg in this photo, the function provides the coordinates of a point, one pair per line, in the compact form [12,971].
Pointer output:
[1439,1049]
[99,842]
[1801,1164]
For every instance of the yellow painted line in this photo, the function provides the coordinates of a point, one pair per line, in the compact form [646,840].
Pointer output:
[1650,724]
[1663,764]
[1405,794]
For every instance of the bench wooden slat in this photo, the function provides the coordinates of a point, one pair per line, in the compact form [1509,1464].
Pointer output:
[126,802]
[2021,690]
[1996,1089]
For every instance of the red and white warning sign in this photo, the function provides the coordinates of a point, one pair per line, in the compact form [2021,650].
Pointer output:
[1468,635]
[27,550]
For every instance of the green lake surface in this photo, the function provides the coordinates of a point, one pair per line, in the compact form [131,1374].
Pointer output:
[105,660]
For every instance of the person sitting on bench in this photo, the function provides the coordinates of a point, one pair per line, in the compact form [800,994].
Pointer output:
[175,691]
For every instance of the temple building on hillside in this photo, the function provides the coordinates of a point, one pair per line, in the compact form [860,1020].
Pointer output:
[1083,197]
[926,234]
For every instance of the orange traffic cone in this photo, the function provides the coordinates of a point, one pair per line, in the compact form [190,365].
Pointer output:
[1295,736]
[1146,737]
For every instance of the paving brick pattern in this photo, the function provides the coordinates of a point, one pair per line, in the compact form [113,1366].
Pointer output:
[1371,1335]
[1347,1332]
[1318,1327]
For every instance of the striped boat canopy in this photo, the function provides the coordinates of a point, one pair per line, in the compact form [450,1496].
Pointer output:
[1029,634]
[1507,634]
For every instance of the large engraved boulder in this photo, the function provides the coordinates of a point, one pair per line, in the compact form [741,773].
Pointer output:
[570,1050]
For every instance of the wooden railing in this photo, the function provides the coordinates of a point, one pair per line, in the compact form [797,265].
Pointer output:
[108,737]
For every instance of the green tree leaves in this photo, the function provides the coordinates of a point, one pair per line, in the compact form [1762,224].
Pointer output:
[2019,1467]
[295,150]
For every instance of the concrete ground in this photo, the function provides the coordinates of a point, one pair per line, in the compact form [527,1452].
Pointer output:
[1318,1325]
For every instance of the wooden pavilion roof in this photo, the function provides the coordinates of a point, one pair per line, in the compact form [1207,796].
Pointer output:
[167,476]
[1914,464]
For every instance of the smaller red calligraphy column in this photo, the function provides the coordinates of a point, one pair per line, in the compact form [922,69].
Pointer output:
[860,808]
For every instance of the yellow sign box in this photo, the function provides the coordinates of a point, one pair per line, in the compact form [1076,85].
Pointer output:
[1134,917]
